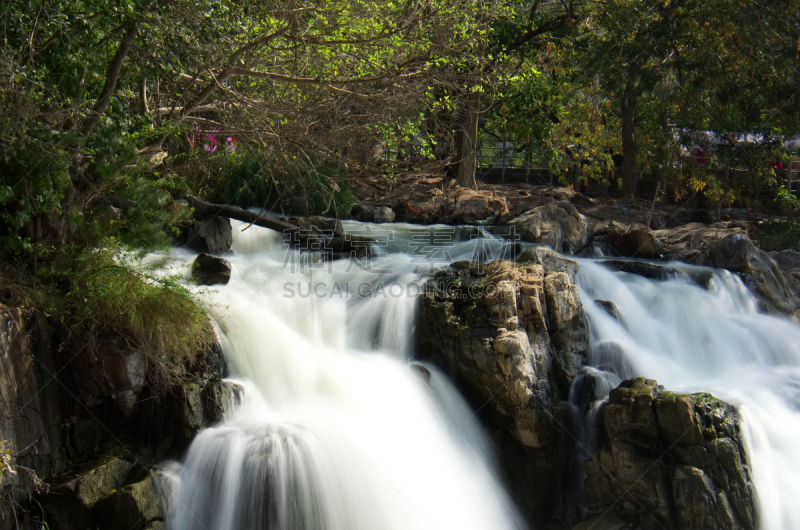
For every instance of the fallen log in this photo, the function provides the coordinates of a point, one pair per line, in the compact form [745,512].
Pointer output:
[305,239]
[207,209]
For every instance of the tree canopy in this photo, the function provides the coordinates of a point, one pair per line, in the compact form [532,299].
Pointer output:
[114,103]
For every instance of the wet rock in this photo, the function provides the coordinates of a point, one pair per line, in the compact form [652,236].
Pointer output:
[549,259]
[565,326]
[776,292]
[737,253]
[636,243]
[691,242]
[352,246]
[368,213]
[524,329]
[316,225]
[610,357]
[641,268]
[191,406]
[463,206]
[135,505]
[512,336]
[788,261]
[558,225]
[610,308]
[209,364]
[126,371]
[68,504]
[211,270]
[675,460]
[212,235]
[592,385]
[74,439]
[218,398]
[423,373]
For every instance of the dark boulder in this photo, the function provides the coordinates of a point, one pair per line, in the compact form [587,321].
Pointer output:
[775,290]
[737,253]
[610,357]
[316,225]
[670,461]
[636,243]
[349,245]
[610,308]
[369,213]
[211,270]
[135,505]
[641,268]
[212,235]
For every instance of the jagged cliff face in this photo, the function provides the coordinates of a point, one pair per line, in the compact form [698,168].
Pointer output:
[83,422]
[513,336]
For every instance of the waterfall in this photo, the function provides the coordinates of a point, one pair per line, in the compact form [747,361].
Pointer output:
[335,429]
[691,338]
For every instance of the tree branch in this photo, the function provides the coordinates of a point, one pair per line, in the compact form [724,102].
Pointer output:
[207,209]
[111,80]
[35,30]
[211,86]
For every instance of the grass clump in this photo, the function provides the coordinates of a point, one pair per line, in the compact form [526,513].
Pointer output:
[95,294]
[156,314]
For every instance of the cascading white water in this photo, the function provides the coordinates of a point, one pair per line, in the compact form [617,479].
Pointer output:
[334,431]
[692,339]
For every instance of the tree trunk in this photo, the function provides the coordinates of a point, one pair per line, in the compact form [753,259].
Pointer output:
[629,135]
[111,80]
[468,143]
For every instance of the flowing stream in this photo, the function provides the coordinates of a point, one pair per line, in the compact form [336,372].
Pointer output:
[337,430]
[693,339]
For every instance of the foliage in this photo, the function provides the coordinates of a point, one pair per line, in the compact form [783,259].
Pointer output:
[274,181]
[157,314]
[97,292]
[91,91]
[779,235]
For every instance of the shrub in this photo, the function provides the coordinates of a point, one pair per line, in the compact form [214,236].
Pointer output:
[251,178]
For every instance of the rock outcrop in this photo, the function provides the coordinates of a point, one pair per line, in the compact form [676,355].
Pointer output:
[722,245]
[513,337]
[558,225]
[213,235]
[370,213]
[636,244]
[211,270]
[669,461]
[82,420]
[465,206]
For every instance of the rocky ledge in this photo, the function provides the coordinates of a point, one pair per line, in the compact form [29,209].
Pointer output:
[668,461]
[83,425]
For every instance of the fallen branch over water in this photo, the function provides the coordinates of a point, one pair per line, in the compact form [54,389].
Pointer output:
[207,209]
